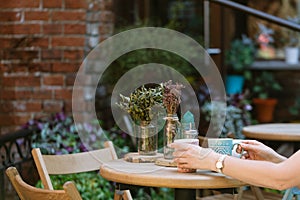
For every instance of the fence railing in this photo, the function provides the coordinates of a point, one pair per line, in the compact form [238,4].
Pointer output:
[246,9]
[15,150]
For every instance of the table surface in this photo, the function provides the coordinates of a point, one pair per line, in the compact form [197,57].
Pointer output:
[275,131]
[151,175]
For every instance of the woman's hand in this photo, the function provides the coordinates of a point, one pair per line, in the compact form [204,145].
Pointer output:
[189,156]
[258,151]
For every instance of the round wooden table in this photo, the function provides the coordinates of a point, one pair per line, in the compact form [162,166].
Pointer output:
[151,175]
[289,132]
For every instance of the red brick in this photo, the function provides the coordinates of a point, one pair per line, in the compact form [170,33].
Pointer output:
[21,81]
[65,67]
[6,42]
[42,94]
[25,94]
[8,120]
[7,94]
[68,15]
[52,3]
[37,15]
[39,42]
[52,106]
[25,67]
[63,94]
[33,107]
[76,4]
[20,4]
[4,67]
[70,79]
[74,29]
[53,80]
[68,41]
[24,42]
[10,16]
[19,68]
[74,54]
[20,54]
[21,106]
[52,28]
[20,29]
[40,67]
[54,54]
[68,106]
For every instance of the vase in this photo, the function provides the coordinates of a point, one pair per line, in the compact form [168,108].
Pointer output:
[234,84]
[171,130]
[264,109]
[292,55]
[147,138]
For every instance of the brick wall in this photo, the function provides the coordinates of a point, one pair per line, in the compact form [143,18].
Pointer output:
[43,43]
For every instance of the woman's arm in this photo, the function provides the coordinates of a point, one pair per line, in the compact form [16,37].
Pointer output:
[266,174]
[262,173]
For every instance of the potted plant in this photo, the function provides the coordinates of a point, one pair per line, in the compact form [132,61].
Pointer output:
[265,42]
[238,58]
[140,105]
[292,47]
[262,88]
[237,115]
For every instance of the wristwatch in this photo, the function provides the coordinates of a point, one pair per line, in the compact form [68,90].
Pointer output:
[219,163]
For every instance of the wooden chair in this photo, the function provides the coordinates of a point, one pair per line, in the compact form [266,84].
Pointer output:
[75,163]
[28,192]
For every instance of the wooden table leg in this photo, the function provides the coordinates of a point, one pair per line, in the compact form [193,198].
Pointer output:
[186,194]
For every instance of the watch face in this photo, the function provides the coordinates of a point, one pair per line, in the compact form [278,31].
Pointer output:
[219,165]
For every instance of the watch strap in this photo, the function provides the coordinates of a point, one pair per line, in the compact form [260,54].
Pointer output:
[220,163]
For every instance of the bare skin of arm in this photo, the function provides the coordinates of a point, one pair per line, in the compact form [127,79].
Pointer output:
[280,176]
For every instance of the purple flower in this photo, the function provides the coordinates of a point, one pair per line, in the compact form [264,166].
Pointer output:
[82,148]
[248,107]
[60,116]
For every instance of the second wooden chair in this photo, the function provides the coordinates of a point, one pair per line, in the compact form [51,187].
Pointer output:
[28,192]
[75,163]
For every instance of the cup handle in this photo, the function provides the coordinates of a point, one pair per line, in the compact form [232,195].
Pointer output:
[238,144]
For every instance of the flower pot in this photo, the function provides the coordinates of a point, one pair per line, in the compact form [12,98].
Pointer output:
[291,55]
[234,84]
[264,109]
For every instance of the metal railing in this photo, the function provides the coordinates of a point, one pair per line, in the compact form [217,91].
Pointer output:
[245,9]
[15,150]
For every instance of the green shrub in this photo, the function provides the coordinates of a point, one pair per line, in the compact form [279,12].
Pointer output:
[90,185]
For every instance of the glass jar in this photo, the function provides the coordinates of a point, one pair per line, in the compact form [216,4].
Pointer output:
[147,138]
[171,130]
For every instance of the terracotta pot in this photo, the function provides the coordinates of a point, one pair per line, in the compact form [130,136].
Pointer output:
[264,109]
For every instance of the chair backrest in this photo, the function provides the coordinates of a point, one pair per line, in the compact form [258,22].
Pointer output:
[75,163]
[71,163]
[28,192]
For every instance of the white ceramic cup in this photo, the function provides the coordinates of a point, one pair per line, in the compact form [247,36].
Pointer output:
[187,141]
